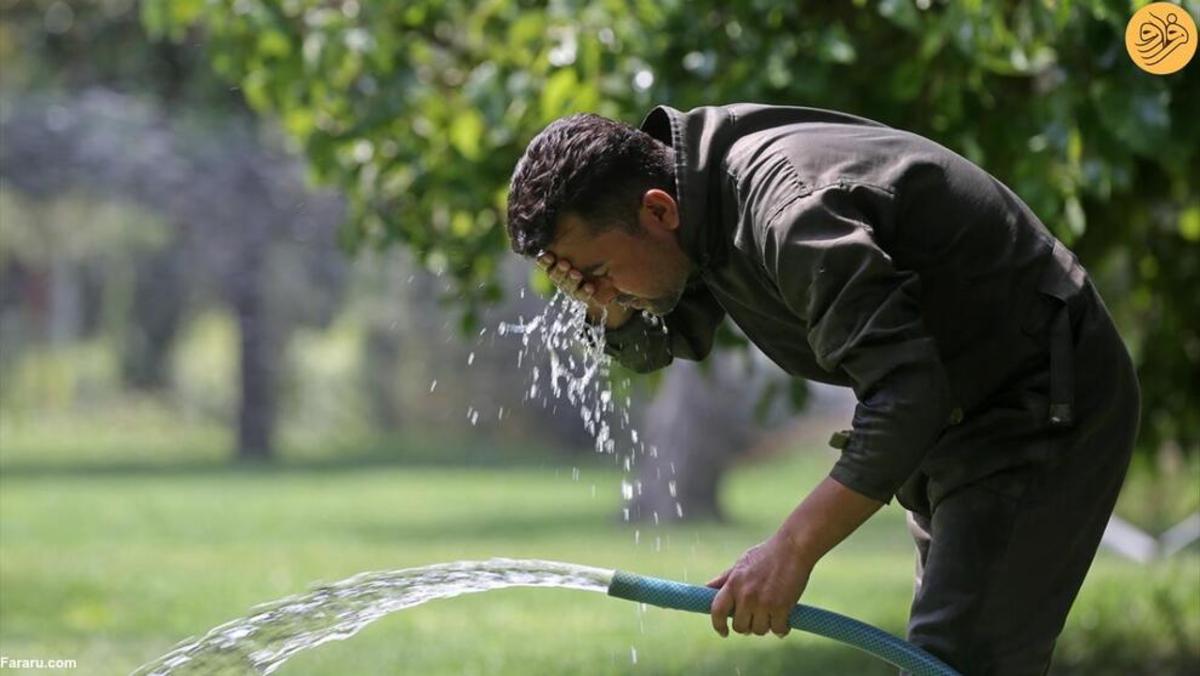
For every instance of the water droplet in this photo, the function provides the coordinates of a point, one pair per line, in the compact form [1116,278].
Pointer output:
[470,359]
[433,386]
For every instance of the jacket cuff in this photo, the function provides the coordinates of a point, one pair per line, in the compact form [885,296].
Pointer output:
[859,483]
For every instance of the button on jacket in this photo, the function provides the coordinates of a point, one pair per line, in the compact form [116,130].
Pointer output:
[853,253]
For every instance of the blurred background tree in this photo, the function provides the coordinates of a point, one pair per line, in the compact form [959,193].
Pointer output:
[143,198]
[150,151]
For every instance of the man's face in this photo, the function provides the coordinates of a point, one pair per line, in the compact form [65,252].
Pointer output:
[647,270]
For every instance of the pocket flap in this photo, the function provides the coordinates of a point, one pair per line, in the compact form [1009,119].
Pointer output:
[1061,280]
[1064,276]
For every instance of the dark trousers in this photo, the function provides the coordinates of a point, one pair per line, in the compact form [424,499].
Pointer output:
[1002,556]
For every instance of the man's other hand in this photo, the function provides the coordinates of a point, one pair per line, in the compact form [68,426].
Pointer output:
[572,283]
[760,590]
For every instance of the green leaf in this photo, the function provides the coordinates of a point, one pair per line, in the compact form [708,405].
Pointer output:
[1189,223]
[466,133]
[274,44]
[558,92]
[1076,218]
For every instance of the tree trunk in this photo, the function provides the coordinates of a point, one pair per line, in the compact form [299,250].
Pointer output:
[158,301]
[381,362]
[697,424]
[259,356]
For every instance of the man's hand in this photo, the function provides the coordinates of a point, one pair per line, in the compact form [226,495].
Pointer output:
[572,283]
[760,589]
[766,582]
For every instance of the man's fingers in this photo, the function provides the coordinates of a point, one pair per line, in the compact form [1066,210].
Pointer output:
[575,284]
[719,611]
[719,581]
[760,623]
[779,623]
[567,278]
[558,272]
[741,619]
[561,276]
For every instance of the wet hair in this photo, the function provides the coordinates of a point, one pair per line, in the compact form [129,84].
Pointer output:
[586,165]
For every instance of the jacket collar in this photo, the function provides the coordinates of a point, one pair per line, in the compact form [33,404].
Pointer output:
[699,139]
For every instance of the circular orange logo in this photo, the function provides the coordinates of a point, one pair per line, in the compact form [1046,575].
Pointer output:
[1161,38]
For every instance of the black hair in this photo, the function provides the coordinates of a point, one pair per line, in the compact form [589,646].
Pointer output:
[587,165]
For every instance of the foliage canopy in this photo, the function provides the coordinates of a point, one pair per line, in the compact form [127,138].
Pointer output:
[418,110]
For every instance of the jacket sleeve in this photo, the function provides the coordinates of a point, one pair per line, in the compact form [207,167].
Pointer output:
[864,319]
[646,345]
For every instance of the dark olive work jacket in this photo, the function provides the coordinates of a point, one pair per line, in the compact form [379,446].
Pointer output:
[857,254]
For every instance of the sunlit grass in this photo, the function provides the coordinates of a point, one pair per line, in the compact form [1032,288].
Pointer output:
[111,569]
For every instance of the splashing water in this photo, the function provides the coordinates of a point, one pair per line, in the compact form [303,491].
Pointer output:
[276,631]
[579,368]
[579,373]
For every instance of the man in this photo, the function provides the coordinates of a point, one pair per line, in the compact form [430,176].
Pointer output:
[996,401]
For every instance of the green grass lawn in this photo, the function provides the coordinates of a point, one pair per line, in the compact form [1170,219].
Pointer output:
[111,568]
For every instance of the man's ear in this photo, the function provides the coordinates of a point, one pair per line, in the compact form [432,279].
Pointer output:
[661,208]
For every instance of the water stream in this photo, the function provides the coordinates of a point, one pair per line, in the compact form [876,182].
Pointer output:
[577,376]
[274,632]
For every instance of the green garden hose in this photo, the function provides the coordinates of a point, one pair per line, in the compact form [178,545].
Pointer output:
[679,596]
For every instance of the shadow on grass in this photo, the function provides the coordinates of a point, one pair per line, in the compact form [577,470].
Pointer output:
[352,460]
[788,657]
[827,657]
[500,527]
